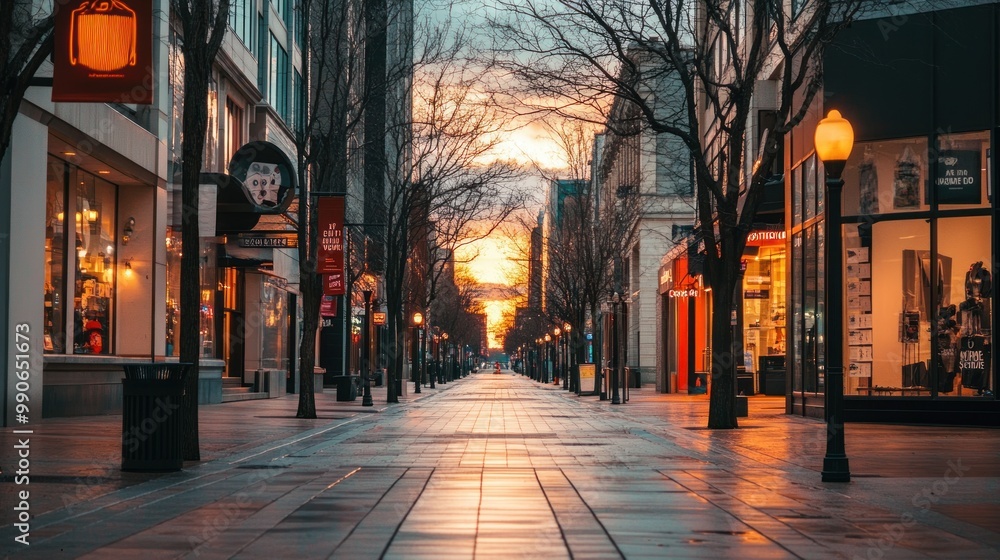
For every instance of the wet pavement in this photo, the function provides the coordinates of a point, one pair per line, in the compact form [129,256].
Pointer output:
[498,466]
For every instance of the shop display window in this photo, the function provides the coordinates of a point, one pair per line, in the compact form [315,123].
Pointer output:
[887,177]
[274,308]
[963,322]
[918,289]
[764,316]
[888,343]
[173,290]
[173,327]
[94,233]
[55,258]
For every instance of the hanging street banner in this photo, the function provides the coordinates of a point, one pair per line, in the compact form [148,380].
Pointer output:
[103,51]
[333,284]
[328,307]
[330,254]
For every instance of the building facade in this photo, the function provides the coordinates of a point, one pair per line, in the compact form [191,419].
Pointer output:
[654,171]
[918,222]
[96,205]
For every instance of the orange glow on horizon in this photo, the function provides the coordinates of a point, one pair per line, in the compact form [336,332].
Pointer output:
[490,260]
[495,312]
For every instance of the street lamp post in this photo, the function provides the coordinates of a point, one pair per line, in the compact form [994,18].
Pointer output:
[540,359]
[446,374]
[615,301]
[567,367]
[366,350]
[570,373]
[433,337]
[548,358]
[418,319]
[556,332]
[834,140]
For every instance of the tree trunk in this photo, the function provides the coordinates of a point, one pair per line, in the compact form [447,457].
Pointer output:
[722,402]
[195,120]
[311,286]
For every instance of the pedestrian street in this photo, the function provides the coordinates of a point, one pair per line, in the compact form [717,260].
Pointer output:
[500,466]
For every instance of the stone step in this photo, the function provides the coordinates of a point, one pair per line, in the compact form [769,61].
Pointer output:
[232,381]
[242,396]
[235,390]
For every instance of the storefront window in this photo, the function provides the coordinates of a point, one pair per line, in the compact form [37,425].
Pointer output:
[93,302]
[887,177]
[764,316]
[888,344]
[55,255]
[209,283]
[173,328]
[812,373]
[963,323]
[797,328]
[274,310]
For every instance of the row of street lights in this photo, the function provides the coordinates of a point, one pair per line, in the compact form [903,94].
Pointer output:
[443,369]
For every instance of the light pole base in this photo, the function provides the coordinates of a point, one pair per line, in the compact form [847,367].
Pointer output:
[836,469]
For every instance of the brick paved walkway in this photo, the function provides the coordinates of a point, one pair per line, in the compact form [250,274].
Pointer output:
[501,467]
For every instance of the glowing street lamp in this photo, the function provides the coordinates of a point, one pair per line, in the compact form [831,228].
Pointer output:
[568,378]
[548,358]
[416,375]
[834,140]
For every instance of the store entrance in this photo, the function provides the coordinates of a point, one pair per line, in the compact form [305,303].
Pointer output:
[233,326]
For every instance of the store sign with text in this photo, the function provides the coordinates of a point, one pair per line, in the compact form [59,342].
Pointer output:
[333,284]
[690,293]
[757,294]
[759,238]
[378,317]
[959,177]
[330,257]
[102,52]
[269,240]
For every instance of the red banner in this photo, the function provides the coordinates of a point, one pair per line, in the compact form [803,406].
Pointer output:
[103,51]
[333,284]
[328,306]
[330,257]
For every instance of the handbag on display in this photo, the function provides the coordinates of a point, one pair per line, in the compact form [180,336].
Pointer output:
[915,375]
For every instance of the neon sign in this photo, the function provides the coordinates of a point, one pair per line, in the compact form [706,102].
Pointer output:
[103,51]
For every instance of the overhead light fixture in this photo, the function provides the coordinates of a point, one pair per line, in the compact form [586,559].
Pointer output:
[103,172]
[69,153]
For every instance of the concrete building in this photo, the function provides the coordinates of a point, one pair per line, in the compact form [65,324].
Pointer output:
[654,168]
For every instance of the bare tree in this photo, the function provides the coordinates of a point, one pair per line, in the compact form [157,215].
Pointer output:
[203,23]
[444,191]
[25,42]
[582,247]
[336,95]
[583,53]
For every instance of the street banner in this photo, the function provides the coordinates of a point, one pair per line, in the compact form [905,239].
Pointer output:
[103,52]
[330,257]
[328,306]
[333,284]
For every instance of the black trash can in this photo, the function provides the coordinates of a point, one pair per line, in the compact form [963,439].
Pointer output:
[377,377]
[347,388]
[151,416]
